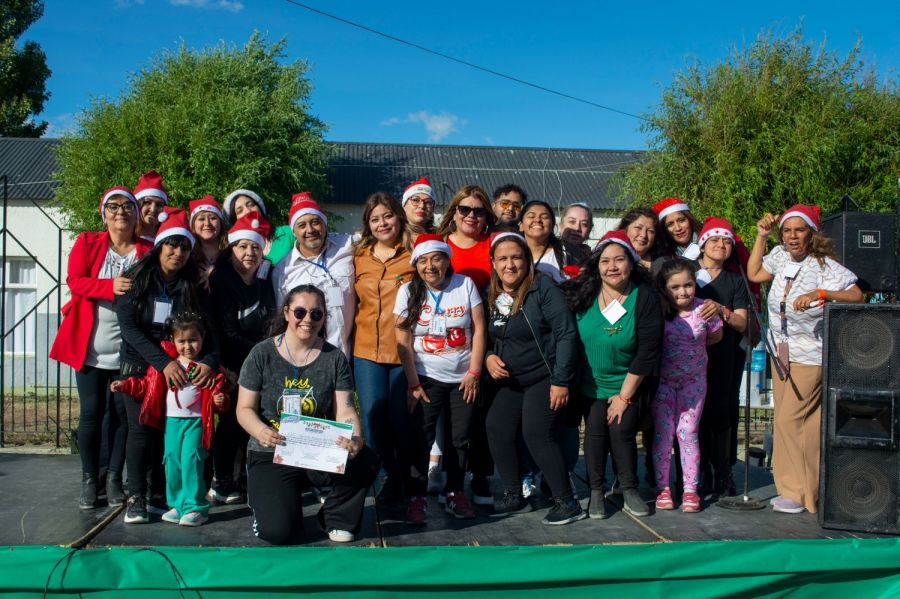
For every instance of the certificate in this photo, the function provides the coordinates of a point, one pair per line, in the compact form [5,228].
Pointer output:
[312,443]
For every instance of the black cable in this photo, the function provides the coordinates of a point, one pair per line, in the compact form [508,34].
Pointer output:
[68,558]
[463,62]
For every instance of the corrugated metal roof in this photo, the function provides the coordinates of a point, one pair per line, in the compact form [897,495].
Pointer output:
[559,176]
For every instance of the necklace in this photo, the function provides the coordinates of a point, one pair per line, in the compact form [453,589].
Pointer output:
[287,347]
[606,298]
[703,264]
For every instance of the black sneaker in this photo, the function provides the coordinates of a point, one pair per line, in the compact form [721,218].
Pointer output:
[566,511]
[88,499]
[156,504]
[481,491]
[136,512]
[597,506]
[115,496]
[633,503]
[511,503]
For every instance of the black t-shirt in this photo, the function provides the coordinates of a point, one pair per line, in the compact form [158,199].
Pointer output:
[267,373]
[242,313]
[729,290]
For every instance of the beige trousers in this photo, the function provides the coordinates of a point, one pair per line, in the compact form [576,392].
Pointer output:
[797,435]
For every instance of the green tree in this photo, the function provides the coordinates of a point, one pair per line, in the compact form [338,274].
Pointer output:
[209,121]
[776,123]
[23,72]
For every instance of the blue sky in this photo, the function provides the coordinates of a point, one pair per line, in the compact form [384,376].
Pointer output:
[366,88]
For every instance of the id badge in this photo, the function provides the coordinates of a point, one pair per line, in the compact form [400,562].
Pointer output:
[692,252]
[162,309]
[438,326]
[292,402]
[334,298]
[263,271]
[703,278]
[614,311]
[791,269]
[784,356]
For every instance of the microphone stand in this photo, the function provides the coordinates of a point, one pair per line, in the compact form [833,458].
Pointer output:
[744,502]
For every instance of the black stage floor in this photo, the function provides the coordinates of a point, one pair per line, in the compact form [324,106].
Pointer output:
[39,506]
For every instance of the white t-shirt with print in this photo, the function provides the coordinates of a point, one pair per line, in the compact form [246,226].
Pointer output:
[805,329]
[443,357]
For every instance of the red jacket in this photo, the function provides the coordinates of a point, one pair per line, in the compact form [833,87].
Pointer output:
[151,390]
[85,260]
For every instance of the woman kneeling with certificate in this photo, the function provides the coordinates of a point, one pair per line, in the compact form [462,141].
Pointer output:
[297,375]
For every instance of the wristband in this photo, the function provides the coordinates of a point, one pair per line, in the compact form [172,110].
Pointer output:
[623,398]
[821,293]
[414,387]
[475,373]
[726,313]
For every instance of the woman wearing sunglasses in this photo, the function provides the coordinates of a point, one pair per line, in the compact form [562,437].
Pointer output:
[298,362]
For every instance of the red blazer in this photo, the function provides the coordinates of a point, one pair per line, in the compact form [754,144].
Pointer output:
[85,260]
[150,390]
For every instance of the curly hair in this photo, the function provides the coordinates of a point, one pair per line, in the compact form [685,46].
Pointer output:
[582,291]
[820,247]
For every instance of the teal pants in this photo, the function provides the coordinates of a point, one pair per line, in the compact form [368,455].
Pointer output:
[183,459]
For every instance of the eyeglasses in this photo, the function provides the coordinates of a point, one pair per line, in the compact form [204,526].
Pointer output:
[125,208]
[478,211]
[423,202]
[316,314]
[507,204]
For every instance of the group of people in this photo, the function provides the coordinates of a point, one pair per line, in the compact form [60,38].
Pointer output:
[477,344]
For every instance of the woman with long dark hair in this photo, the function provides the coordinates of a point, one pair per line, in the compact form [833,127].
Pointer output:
[680,228]
[208,227]
[537,225]
[643,229]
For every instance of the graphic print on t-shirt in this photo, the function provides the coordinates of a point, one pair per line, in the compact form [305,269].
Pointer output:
[455,338]
[298,397]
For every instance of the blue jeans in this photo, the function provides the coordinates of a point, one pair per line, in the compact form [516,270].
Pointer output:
[381,390]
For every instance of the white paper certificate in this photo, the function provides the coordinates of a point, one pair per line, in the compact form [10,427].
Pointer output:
[312,443]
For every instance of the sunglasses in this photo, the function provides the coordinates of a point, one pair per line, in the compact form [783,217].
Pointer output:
[126,208]
[465,211]
[316,314]
[507,204]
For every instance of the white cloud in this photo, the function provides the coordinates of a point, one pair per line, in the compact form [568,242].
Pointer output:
[438,126]
[229,5]
[60,125]
[128,3]
[489,140]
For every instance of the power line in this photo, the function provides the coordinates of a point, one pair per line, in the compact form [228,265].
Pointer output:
[463,62]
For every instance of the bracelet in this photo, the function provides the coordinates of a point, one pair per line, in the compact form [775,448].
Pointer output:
[623,398]
[726,313]
[475,373]
[414,387]
[821,293]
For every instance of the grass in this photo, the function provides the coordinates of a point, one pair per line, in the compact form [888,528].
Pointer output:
[30,419]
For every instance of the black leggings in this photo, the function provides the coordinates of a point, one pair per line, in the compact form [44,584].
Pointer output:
[228,439]
[143,452]
[446,399]
[97,402]
[528,407]
[275,493]
[601,438]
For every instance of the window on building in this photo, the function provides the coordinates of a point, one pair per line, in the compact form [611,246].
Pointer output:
[21,297]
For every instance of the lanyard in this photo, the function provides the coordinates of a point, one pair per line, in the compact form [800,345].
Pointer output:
[782,307]
[437,301]
[319,263]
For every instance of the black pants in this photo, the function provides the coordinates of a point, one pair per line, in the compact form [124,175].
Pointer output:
[715,422]
[274,492]
[98,405]
[481,462]
[143,452]
[602,438]
[528,407]
[229,440]
[446,399]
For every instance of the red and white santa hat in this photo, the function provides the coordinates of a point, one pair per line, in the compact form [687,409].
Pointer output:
[229,201]
[173,221]
[500,235]
[250,226]
[664,208]
[151,185]
[618,236]
[112,192]
[422,185]
[427,243]
[302,204]
[715,227]
[809,213]
[205,204]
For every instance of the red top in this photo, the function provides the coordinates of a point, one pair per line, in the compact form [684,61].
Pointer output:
[85,260]
[473,262]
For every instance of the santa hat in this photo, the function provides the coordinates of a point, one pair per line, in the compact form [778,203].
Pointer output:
[205,204]
[173,222]
[229,200]
[808,213]
[500,235]
[618,237]
[664,208]
[302,204]
[715,227]
[423,185]
[427,243]
[118,190]
[250,226]
[151,185]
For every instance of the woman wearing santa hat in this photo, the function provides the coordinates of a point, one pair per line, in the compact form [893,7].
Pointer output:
[163,283]
[280,240]
[804,277]
[679,226]
[243,306]
[207,225]
[88,339]
[152,197]
[418,203]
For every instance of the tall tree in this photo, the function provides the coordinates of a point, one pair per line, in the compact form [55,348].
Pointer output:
[23,71]
[779,122]
[210,121]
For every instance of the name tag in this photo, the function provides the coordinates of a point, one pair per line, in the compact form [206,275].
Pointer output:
[162,308]
[292,402]
[614,311]
[263,271]
[438,326]
[791,269]
[691,252]
[334,297]
[703,278]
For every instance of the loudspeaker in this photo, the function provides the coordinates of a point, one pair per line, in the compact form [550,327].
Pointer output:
[865,242]
[859,481]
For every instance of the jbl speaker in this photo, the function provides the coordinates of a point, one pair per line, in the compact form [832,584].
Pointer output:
[865,242]
[859,482]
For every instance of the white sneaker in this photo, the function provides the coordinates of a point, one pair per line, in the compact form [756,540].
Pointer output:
[436,480]
[340,536]
[192,519]
[528,486]
[171,517]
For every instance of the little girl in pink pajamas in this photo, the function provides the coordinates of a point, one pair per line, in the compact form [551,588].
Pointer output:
[691,325]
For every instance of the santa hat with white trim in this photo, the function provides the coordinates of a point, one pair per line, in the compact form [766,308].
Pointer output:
[664,208]
[252,227]
[302,204]
[715,227]
[150,185]
[173,222]
[618,237]
[231,197]
[422,185]
[427,243]
[205,204]
[808,212]
[118,190]
[500,235]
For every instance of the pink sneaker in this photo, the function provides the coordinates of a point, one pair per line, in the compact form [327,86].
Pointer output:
[458,506]
[690,502]
[664,500]
[787,506]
